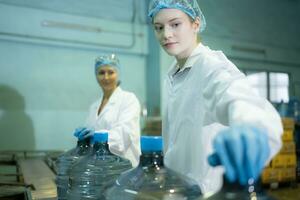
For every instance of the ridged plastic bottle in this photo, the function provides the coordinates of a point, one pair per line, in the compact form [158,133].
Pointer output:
[151,180]
[235,191]
[92,174]
[64,163]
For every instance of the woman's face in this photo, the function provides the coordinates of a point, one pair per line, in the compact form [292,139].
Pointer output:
[176,33]
[107,77]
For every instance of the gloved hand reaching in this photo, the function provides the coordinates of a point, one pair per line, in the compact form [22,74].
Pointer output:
[242,150]
[83,132]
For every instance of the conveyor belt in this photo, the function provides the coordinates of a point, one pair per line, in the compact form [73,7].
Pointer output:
[37,173]
[28,175]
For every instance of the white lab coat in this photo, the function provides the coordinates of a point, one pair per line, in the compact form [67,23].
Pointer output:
[120,117]
[210,95]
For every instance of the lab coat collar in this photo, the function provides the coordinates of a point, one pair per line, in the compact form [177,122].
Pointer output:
[189,62]
[115,96]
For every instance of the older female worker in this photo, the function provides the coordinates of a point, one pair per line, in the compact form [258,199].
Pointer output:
[116,112]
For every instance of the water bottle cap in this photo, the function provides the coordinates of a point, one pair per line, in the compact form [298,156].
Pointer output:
[100,137]
[151,143]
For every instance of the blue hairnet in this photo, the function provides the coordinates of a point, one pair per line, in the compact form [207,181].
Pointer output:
[190,7]
[110,60]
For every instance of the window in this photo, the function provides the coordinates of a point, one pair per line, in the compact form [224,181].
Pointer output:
[279,87]
[258,81]
[272,85]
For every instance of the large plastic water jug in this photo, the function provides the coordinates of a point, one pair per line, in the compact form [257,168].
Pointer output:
[65,161]
[92,174]
[235,191]
[151,180]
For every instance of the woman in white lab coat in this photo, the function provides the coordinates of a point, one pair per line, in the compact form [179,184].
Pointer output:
[211,115]
[116,112]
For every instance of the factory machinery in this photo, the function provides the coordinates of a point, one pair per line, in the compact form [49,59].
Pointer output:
[31,174]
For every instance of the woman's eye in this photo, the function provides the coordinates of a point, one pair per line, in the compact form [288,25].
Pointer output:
[101,72]
[110,72]
[175,25]
[158,28]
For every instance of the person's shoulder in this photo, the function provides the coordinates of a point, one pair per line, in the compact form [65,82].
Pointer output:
[216,61]
[129,99]
[128,94]
[214,55]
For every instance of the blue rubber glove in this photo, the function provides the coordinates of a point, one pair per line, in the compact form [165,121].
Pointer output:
[83,132]
[243,151]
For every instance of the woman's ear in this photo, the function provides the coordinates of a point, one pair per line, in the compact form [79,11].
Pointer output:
[196,24]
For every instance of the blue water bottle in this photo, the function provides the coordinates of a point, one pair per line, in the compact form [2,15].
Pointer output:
[64,163]
[92,174]
[235,191]
[151,179]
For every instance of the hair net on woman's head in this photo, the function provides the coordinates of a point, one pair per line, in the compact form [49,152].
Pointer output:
[190,7]
[110,60]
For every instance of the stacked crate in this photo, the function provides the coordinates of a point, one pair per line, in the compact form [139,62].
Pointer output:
[152,126]
[282,168]
[297,139]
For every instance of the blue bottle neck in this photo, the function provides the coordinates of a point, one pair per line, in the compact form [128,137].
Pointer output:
[85,143]
[152,159]
[101,148]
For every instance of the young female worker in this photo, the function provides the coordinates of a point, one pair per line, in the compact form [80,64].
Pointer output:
[211,115]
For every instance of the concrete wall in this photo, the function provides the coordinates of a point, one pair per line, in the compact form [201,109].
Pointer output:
[47,80]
